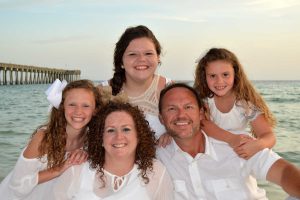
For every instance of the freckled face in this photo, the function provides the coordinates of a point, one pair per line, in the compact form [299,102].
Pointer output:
[120,136]
[220,77]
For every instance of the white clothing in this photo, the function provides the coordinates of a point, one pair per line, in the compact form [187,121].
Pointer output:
[234,121]
[218,173]
[148,103]
[22,181]
[81,183]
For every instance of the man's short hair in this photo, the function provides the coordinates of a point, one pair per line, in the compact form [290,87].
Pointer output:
[178,85]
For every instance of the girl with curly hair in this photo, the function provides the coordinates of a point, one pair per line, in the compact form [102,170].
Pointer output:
[233,104]
[122,164]
[57,145]
[136,59]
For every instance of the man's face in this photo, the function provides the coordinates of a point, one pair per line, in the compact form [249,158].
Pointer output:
[180,113]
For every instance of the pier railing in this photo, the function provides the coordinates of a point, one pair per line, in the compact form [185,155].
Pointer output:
[14,74]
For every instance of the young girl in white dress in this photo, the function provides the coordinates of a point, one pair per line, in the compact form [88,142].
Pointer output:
[55,146]
[136,57]
[122,164]
[232,104]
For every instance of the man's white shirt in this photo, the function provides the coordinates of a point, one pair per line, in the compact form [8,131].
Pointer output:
[218,173]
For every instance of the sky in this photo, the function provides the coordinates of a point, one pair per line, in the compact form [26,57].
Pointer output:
[81,34]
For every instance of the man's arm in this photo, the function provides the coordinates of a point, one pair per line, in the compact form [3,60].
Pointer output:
[286,175]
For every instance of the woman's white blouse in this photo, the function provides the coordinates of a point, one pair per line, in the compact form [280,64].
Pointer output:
[81,183]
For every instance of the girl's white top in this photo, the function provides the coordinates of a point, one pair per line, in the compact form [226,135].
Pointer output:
[237,119]
[81,183]
[148,103]
[22,181]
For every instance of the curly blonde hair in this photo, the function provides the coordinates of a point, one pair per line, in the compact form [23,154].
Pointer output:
[54,141]
[145,150]
[242,87]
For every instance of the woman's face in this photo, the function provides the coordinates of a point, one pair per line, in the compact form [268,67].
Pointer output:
[140,60]
[120,136]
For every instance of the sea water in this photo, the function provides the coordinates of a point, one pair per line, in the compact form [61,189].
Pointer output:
[24,107]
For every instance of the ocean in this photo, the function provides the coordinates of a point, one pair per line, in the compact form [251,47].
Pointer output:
[24,107]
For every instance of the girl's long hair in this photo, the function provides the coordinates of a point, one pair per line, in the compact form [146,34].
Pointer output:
[54,141]
[242,87]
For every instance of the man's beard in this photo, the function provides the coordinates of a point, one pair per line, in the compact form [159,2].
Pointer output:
[176,134]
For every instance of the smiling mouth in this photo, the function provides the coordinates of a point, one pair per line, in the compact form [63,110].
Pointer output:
[181,123]
[220,87]
[77,119]
[119,145]
[143,67]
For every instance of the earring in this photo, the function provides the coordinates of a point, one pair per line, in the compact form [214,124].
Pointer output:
[122,67]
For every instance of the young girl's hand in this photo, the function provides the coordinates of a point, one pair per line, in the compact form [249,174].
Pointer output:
[237,140]
[248,149]
[77,157]
[164,140]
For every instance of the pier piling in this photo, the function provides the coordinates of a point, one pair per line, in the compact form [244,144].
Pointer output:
[14,74]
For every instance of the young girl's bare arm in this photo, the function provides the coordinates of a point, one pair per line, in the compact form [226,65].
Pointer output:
[265,138]
[76,157]
[244,145]
[212,130]
[263,132]
[32,151]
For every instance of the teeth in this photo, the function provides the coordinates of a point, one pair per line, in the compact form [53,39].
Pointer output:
[220,87]
[141,67]
[119,145]
[77,119]
[181,123]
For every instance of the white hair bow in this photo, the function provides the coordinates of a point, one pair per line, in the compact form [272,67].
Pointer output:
[54,93]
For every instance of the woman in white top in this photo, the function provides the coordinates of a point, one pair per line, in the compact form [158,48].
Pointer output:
[136,57]
[122,164]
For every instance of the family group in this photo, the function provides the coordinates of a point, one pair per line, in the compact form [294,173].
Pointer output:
[140,135]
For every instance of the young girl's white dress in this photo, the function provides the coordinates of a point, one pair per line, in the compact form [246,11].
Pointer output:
[22,181]
[81,183]
[236,120]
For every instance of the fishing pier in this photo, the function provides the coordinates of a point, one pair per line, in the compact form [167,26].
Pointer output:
[14,74]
